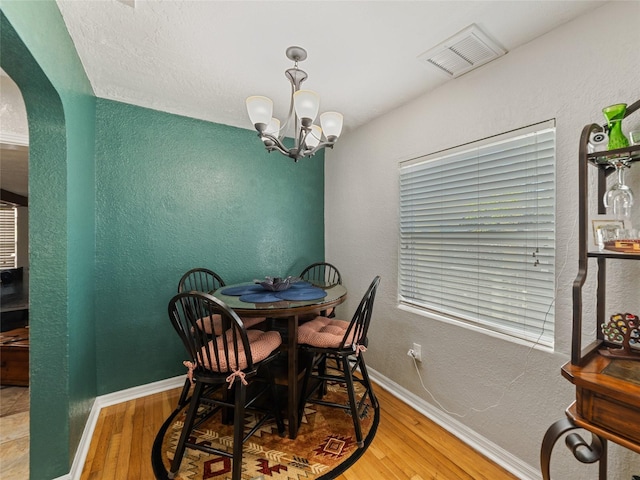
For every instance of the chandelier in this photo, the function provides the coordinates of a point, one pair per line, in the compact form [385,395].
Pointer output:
[303,109]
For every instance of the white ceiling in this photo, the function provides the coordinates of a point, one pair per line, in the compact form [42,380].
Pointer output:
[203,58]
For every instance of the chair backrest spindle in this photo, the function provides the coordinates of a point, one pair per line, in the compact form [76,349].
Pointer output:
[200,280]
[322,274]
[358,329]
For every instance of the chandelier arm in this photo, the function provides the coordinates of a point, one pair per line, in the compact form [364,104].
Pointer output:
[279,148]
[290,114]
[277,144]
[293,153]
[302,137]
[320,146]
[299,129]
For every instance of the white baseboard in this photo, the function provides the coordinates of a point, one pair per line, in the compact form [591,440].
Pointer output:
[495,453]
[487,448]
[106,401]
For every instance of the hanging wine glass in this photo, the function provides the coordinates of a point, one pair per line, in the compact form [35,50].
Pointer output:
[618,200]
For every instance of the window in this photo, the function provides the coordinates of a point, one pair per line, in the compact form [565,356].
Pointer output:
[477,233]
[8,235]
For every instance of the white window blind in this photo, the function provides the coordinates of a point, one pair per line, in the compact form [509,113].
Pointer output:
[8,236]
[477,233]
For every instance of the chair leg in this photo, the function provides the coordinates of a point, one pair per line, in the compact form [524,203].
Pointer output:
[322,370]
[305,384]
[238,429]
[227,412]
[185,392]
[352,400]
[277,413]
[186,429]
[367,383]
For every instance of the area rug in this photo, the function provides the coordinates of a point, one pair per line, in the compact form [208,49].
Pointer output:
[324,448]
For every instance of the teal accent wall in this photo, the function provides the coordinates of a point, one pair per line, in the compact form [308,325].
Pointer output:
[37,52]
[174,193]
[123,200]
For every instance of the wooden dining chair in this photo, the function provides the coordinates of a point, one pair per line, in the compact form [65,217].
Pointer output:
[323,275]
[235,361]
[345,342]
[207,281]
[200,280]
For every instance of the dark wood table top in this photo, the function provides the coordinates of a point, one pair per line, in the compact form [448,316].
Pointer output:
[336,294]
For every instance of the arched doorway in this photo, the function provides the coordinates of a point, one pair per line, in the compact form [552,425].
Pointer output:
[62,370]
[14,264]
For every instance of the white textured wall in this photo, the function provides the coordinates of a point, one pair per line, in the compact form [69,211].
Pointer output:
[13,114]
[569,74]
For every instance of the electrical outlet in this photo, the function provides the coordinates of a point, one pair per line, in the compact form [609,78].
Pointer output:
[415,352]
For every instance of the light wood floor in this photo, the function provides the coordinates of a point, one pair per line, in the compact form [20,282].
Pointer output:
[14,433]
[407,445]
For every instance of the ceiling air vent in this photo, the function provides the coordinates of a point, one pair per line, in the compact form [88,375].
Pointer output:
[463,52]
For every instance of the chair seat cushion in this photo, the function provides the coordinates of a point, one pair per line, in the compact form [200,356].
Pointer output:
[323,332]
[262,344]
[213,323]
[305,317]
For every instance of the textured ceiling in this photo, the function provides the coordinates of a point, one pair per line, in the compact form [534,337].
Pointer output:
[203,58]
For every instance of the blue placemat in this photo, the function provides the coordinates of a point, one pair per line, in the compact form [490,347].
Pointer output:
[260,297]
[300,285]
[309,293]
[243,290]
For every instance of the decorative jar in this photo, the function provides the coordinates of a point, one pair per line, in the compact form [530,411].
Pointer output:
[614,115]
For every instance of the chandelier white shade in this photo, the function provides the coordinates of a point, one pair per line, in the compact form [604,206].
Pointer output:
[260,109]
[331,125]
[273,128]
[313,139]
[307,104]
[303,110]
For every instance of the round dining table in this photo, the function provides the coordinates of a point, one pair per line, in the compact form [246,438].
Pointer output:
[288,313]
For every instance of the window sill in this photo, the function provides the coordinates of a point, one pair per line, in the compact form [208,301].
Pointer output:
[475,328]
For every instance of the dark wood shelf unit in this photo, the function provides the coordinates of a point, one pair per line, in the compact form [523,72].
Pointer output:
[580,356]
[606,400]
[607,390]
[614,255]
[14,357]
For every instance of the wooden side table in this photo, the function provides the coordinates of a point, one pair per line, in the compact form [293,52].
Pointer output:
[14,357]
